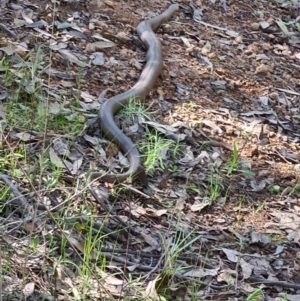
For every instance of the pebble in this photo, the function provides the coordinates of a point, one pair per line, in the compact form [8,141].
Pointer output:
[255,26]
[262,69]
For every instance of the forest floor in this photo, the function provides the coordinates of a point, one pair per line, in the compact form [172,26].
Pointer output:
[219,136]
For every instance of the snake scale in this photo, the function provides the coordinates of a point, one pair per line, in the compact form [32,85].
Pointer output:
[139,91]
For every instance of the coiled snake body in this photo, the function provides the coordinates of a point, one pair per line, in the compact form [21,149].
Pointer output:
[139,91]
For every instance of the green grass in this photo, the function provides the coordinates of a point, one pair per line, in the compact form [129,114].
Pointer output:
[27,106]
[172,251]
[10,158]
[233,162]
[136,108]
[156,149]
[260,207]
[214,190]
[32,116]
[27,110]
[295,189]
[194,188]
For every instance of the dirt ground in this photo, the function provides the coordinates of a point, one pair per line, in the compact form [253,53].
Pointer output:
[229,93]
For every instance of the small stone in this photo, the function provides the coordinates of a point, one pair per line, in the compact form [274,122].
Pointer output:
[274,95]
[254,26]
[286,52]
[264,24]
[201,43]
[91,26]
[239,39]
[252,48]
[167,28]
[190,49]
[262,69]
[206,48]
[101,25]
[272,134]
[267,46]
[212,55]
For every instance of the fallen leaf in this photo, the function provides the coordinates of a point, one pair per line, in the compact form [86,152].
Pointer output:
[66,54]
[231,255]
[55,158]
[185,41]
[199,273]
[28,289]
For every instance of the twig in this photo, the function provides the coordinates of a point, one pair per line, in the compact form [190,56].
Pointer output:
[24,203]
[135,190]
[203,23]
[210,25]
[267,282]
[7,30]
[107,209]
[157,265]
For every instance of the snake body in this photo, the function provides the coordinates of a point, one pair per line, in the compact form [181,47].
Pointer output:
[139,91]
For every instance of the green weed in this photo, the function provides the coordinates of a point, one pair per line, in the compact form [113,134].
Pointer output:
[275,189]
[241,203]
[257,295]
[215,189]
[260,207]
[285,298]
[9,161]
[191,105]
[173,168]
[193,188]
[233,162]
[260,13]
[294,189]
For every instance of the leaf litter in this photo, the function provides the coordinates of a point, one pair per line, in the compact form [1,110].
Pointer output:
[230,82]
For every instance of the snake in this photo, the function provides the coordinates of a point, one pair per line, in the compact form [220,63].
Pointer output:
[146,81]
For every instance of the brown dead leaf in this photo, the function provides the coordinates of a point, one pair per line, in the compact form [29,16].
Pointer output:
[151,241]
[111,150]
[111,4]
[113,280]
[156,213]
[150,291]
[226,275]
[200,273]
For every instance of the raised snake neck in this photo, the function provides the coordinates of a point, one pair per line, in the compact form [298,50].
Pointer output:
[139,91]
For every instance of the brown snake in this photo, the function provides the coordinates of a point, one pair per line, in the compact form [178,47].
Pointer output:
[139,91]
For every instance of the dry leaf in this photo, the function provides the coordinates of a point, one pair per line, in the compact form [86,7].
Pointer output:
[28,289]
